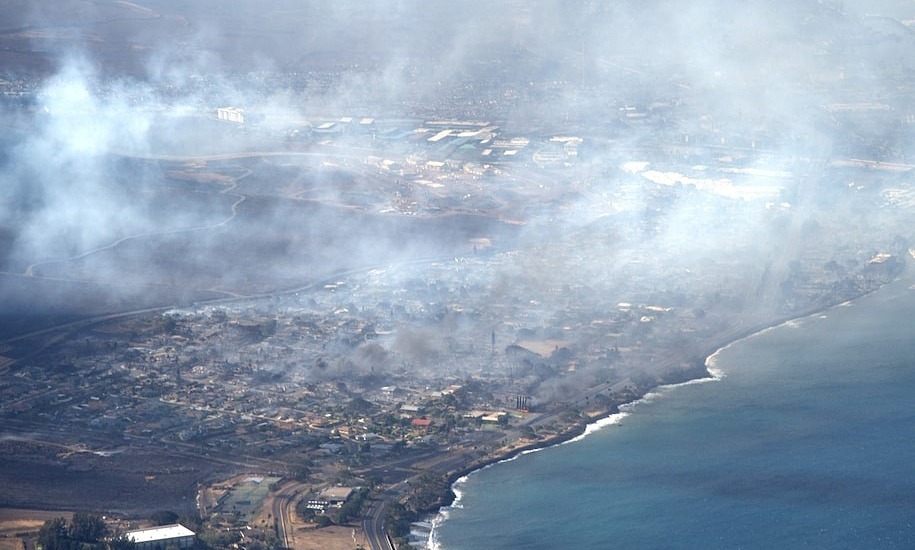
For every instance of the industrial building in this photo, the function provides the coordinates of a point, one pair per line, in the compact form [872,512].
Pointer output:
[231,114]
[332,497]
[336,496]
[158,538]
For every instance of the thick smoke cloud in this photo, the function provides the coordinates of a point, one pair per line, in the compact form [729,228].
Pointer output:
[76,204]
[127,84]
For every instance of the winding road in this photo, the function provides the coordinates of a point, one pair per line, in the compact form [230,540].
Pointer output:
[30,270]
[373,526]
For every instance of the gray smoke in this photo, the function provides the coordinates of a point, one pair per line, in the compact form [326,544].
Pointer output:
[116,163]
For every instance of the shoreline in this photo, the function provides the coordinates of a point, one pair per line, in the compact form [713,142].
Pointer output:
[580,430]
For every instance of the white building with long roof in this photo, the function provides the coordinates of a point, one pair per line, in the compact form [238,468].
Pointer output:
[158,538]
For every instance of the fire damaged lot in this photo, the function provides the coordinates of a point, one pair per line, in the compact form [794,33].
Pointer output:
[365,372]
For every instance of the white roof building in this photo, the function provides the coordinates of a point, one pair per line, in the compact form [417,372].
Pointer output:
[160,537]
[232,114]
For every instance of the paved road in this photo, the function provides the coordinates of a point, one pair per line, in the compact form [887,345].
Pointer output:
[280,508]
[373,526]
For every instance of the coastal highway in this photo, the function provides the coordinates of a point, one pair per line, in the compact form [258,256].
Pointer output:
[397,475]
[373,526]
[279,507]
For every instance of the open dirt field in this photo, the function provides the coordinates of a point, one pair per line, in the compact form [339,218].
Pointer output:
[132,482]
[10,518]
[328,538]
[15,522]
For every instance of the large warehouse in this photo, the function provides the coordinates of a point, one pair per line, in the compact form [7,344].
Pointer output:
[157,538]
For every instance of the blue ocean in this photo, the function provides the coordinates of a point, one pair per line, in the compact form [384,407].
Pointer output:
[805,440]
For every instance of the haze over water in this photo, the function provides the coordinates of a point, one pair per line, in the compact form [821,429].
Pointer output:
[805,442]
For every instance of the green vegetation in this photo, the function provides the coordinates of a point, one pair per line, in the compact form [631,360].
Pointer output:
[352,508]
[398,519]
[323,521]
[348,511]
[430,492]
[219,538]
[83,532]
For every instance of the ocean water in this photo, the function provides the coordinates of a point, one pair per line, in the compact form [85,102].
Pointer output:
[807,440]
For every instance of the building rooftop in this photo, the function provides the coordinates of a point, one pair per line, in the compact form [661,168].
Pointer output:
[337,493]
[163,532]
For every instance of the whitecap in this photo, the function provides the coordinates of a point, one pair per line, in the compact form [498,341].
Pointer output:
[692,382]
[615,418]
[716,373]
[432,543]
[458,494]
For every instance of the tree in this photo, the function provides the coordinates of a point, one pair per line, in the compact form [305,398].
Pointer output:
[53,534]
[430,491]
[121,542]
[323,521]
[352,508]
[397,519]
[87,527]
[218,538]
[300,474]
